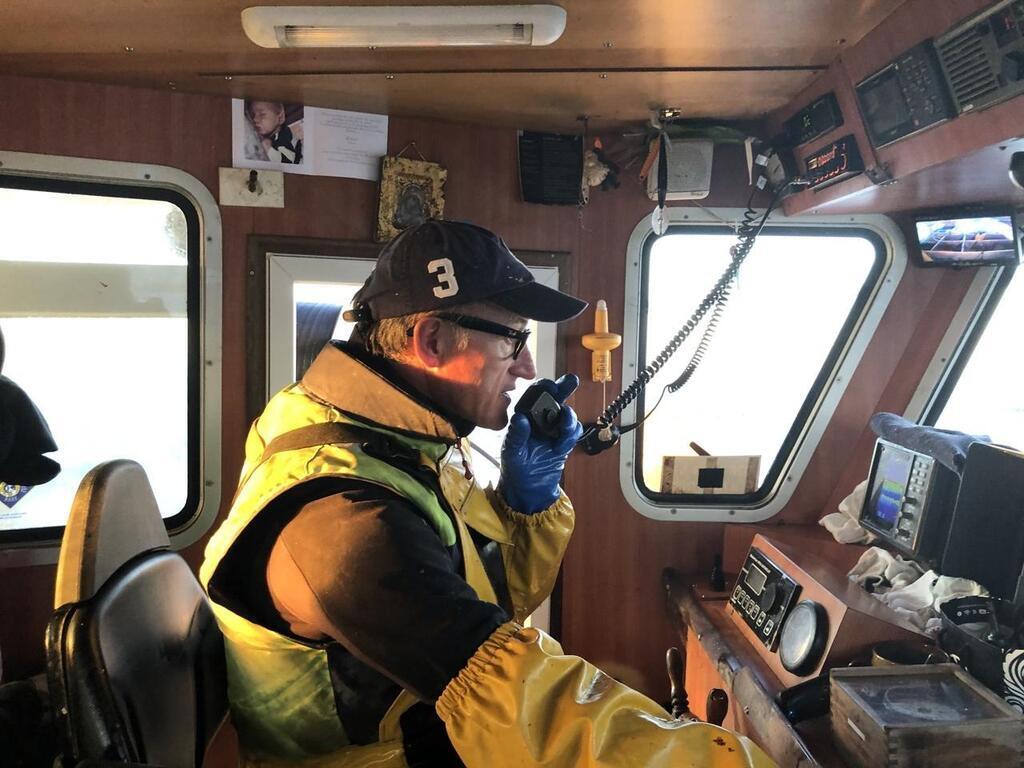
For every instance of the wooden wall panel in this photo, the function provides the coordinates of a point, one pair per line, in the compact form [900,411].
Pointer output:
[613,613]
[892,364]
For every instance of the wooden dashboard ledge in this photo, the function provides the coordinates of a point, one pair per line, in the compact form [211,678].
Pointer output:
[773,732]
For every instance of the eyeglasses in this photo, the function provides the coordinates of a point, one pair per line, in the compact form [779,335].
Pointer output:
[517,336]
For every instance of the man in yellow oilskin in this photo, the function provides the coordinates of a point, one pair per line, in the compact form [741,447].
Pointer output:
[371,594]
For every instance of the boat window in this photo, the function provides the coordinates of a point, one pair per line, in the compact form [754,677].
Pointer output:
[101,306]
[983,391]
[799,303]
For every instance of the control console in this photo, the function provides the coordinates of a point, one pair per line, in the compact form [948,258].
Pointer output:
[763,595]
[905,97]
[801,614]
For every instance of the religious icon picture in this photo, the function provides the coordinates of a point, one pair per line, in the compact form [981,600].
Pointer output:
[411,191]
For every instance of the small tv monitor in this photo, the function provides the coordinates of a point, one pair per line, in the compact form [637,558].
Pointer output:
[967,240]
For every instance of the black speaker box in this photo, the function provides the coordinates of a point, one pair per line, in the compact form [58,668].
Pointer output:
[550,168]
[986,537]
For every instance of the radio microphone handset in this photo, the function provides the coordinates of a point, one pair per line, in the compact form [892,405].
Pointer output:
[603,434]
[541,410]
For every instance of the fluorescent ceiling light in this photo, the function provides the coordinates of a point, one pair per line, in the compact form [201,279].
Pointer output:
[419,26]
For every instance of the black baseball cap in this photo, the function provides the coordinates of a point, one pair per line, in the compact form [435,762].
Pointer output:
[442,264]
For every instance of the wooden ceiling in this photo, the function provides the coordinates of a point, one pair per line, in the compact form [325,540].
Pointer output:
[618,59]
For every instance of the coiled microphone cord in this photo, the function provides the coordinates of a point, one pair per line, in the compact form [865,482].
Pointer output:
[739,251]
[747,233]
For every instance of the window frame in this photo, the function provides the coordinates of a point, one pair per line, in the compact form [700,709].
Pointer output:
[816,412]
[203,301]
[958,343]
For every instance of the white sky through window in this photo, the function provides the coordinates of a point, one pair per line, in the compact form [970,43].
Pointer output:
[787,308]
[989,395]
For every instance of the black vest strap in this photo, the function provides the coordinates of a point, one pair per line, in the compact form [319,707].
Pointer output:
[320,434]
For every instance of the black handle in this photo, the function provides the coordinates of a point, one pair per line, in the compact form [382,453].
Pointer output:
[675,664]
[717,706]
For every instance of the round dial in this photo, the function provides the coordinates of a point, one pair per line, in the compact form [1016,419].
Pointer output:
[770,598]
[802,637]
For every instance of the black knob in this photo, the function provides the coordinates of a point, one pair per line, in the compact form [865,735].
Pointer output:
[770,597]
[717,706]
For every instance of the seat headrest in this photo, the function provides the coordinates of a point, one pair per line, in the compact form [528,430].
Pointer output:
[24,438]
[114,517]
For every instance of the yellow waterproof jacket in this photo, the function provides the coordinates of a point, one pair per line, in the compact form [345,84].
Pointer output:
[519,701]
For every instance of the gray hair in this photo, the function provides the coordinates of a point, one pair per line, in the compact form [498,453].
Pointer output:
[389,336]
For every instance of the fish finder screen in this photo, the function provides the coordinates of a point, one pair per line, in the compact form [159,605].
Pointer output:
[889,485]
[977,240]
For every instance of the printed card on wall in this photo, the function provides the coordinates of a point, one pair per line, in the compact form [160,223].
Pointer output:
[310,140]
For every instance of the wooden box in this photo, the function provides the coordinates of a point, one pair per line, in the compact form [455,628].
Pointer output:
[928,715]
[709,474]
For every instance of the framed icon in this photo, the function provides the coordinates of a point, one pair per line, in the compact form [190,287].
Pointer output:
[411,191]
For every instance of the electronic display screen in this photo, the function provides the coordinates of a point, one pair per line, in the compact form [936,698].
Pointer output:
[885,106]
[968,240]
[889,485]
[756,579]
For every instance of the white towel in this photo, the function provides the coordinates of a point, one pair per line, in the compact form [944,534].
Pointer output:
[844,525]
[885,570]
[911,592]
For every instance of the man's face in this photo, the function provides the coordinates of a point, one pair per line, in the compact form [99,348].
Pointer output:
[266,116]
[482,375]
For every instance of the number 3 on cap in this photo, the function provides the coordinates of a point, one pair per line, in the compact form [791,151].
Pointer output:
[445,271]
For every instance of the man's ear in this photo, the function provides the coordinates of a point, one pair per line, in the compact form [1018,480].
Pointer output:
[430,342]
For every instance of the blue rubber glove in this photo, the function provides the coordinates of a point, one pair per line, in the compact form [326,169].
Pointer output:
[531,466]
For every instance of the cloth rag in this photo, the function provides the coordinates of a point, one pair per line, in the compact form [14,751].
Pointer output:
[844,525]
[909,590]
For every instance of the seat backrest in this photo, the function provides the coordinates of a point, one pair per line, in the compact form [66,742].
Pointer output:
[134,658]
[114,518]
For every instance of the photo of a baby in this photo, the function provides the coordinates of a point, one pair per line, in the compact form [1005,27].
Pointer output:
[273,131]
[294,138]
